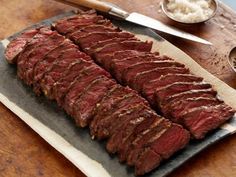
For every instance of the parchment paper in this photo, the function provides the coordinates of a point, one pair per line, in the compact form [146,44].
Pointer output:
[58,129]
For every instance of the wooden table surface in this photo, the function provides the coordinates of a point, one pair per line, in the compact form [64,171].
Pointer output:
[24,154]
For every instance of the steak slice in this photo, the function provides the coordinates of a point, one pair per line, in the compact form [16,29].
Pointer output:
[142,119]
[117,100]
[143,79]
[124,45]
[16,46]
[122,55]
[57,70]
[109,60]
[46,64]
[38,39]
[181,107]
[73,19]
[148,160]
[80,83]
[73,29]
[39,53]
[120,108]
[118,122]
[91,28]
[119,66]
[201,120]
[130,72]
[108,125]
[164,92]
[174,77]
[100,44]
[174,139]
[206,93]
[84,106]
[113,95]
[144,139]
[164,76]
[94,37]
[64,26]
[151,121]
[62,86]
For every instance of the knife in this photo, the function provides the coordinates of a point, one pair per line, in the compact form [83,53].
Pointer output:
[134,18]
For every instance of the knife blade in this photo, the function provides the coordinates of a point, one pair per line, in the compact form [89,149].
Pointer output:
[136,18]
[159,26]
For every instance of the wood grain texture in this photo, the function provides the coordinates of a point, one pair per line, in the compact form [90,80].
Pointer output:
[24,153]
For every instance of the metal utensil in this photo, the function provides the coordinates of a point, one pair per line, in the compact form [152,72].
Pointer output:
[213,6]
[134,18]
[232,58]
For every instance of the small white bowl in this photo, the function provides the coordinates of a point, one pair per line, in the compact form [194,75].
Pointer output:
[213,5]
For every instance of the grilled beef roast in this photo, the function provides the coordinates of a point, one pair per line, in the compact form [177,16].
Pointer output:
[155,77]
[56,67]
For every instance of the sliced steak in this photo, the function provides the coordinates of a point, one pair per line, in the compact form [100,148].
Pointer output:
[123,54]
[80,83]
[57,70]
[94,37]
[119,66]
[121,107]
[201,120]
[174,77]
[174,139]
[181,107]
[109,61]
[92,28]
[73,29]
[39,53]
[171,141]
[38,39]
[16,46]
[130,72]
[148,160]
[116,123]
[62,86]
[118,46]
[205,93]
[114,104]
[144,139]
[92,49]
[132,133]
[73,19]
[113,95]
[147,76]
[139,57]
[84,106]
[46,64]
[64,26]
[111,123]
[164,76]
[141,121]
[162,93]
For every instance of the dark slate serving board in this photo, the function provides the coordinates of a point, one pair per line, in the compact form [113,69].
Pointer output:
[53,117]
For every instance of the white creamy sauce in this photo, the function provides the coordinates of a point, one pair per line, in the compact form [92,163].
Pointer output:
[190,11]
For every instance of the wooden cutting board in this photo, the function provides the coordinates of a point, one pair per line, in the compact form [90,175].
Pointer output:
[23,153]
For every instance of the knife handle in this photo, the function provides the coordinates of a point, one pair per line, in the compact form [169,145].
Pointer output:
[94,4]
